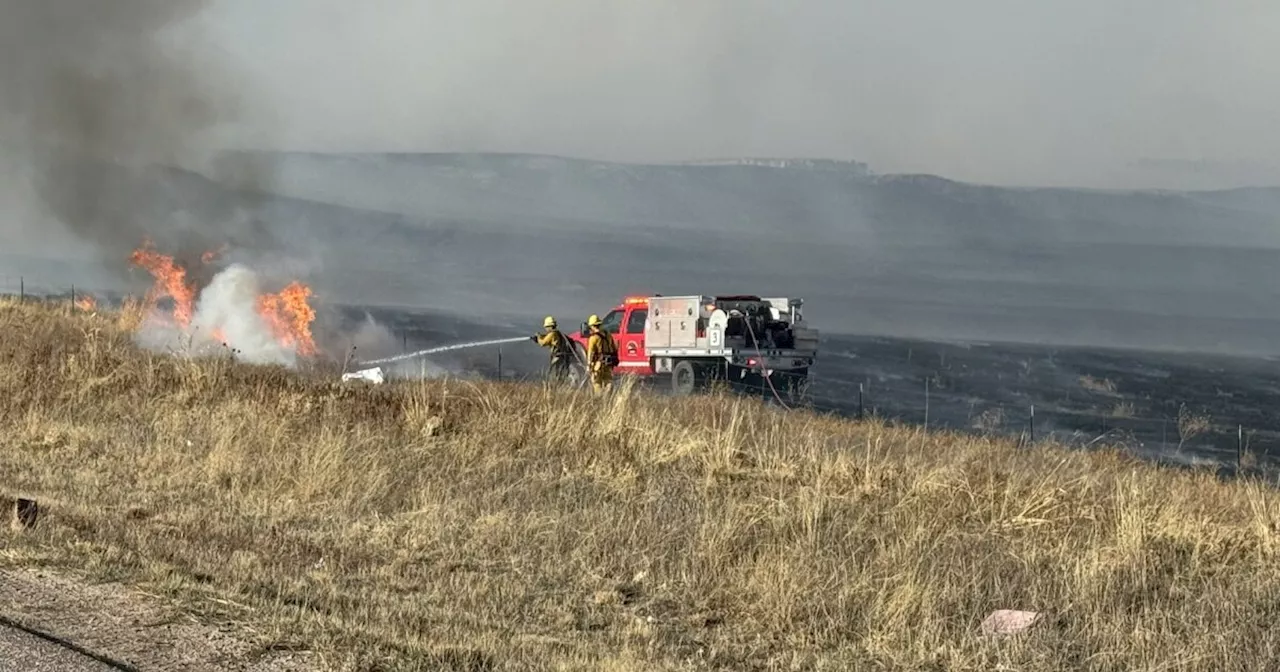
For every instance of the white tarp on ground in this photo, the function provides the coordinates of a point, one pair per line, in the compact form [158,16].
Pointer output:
[373,375]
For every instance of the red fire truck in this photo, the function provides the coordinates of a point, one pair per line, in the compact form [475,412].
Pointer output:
[697,339]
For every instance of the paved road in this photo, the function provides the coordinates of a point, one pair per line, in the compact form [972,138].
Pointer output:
[21,652]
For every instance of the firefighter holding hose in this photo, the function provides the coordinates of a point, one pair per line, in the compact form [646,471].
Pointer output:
[602,355]
[560,349]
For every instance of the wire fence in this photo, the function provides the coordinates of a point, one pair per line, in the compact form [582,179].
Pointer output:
[24,289]
[1178,436]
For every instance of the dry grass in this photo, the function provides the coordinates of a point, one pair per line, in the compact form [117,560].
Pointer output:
[1098,385]
[1190,425]
[457,526]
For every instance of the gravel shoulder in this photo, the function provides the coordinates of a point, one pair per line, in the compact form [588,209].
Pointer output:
[114,621]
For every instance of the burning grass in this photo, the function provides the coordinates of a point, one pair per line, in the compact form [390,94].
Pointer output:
[457,526]
[285,317]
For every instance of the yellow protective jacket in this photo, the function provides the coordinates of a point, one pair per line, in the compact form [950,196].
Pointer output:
[599,344]
[557,342]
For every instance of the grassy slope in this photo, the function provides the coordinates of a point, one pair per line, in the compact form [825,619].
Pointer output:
[463,526]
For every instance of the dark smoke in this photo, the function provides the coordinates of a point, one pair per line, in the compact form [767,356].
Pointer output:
[107,119]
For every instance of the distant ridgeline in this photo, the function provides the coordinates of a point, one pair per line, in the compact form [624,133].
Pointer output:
[857,167]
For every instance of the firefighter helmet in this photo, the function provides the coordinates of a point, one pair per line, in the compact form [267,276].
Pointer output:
[593,321]
[549,322]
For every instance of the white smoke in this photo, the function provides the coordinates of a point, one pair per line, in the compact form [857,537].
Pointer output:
[229,304]
[226,307]
[374,339]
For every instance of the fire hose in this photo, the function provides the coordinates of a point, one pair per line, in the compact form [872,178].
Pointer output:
[586,370]
[760,358]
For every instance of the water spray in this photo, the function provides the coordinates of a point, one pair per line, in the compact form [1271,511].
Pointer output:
[442,348]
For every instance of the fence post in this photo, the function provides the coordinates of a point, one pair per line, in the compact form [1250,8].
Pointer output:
[1033,423]
[22,289]
[860,407]
[499,362]
[72,308]
[926,404]
[1239,447]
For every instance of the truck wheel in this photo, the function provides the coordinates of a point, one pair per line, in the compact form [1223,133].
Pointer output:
[684,378]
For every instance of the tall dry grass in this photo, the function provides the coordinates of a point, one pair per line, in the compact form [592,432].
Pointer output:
[446,525]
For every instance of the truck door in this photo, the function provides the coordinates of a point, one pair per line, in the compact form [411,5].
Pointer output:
[631,353]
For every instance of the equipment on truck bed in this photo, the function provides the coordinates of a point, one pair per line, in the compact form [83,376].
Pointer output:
[698,339]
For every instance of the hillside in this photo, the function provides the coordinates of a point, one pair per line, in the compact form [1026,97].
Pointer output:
[449,525]
[897,255]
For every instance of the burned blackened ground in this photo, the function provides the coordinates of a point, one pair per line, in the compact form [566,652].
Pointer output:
[1172,406]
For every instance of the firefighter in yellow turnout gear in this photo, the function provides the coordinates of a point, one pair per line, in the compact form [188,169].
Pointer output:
[602,355]
[561,355]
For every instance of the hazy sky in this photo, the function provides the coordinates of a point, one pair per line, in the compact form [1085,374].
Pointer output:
[1049,92]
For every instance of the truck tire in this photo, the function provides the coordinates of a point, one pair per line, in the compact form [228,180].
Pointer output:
[685,378]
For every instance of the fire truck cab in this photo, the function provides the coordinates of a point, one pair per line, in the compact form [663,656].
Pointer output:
[742,339]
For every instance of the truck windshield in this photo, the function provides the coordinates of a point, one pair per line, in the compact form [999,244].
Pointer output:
[612,322]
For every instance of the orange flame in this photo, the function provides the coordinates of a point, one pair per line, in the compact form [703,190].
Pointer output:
[86,303]
[209,256]
[289,317]
[287,313]
[171,281]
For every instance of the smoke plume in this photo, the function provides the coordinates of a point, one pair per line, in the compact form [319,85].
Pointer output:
[372,339]
[106,106]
